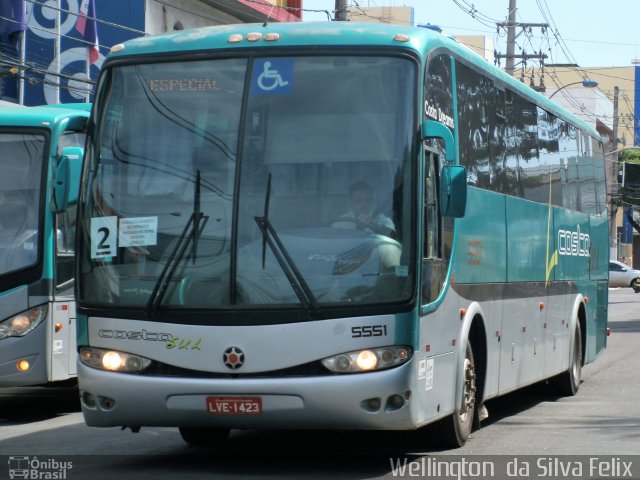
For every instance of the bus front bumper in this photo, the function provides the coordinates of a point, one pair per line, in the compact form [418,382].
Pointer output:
[376,400]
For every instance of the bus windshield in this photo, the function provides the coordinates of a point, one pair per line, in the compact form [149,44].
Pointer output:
[22,162]
[240,183]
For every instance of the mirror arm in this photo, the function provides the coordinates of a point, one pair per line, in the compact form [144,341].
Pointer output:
[433,129]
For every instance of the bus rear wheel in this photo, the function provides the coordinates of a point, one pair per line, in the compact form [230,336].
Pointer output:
[204,437]
[455,429]
[567,383]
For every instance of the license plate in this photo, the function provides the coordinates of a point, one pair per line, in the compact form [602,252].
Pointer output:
[234,405]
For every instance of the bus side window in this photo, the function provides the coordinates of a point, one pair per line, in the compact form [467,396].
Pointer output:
[65,222]
[65,248]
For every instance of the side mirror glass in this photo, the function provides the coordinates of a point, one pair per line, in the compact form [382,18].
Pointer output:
[453,191]
[67,179]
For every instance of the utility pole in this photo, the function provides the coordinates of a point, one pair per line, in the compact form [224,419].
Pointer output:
[613,183]
[510,26]
[511,37]
[341,11]
[614,143]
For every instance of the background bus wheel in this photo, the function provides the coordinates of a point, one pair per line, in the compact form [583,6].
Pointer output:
[204,437]
[567,383]
[455,429]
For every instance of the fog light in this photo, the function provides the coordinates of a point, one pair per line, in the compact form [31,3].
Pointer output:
[106,403]
[88,400]
[371,405]
[394,402]
[23,365]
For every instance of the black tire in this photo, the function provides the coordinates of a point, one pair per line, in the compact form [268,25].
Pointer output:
[567,383]
[635,284]
[455,429]
[204,437]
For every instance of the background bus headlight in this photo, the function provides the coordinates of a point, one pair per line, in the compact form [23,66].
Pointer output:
[113,360]
[367,360]
[21,324]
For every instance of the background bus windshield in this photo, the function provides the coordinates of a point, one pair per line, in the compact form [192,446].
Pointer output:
[22,161]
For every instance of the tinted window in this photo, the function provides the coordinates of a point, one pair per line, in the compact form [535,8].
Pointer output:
[22,163]
[474,97]
[511,146]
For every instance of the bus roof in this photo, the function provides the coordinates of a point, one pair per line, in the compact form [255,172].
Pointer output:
[294,34]
[34,116]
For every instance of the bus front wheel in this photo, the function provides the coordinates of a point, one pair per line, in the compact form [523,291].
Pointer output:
[204,437]
[455,429]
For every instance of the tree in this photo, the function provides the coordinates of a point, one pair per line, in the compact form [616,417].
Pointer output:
[630,191]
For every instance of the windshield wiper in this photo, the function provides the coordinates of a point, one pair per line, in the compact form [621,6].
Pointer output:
[287,264]
[190,235]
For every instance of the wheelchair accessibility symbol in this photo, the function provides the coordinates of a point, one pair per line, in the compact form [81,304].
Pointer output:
[270,79]
[272,75]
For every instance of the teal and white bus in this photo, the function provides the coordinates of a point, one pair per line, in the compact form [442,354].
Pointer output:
[41,151]
[331,225]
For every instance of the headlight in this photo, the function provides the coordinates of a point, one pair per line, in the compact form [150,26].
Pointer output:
[21,324]
[113,360]
[368,360]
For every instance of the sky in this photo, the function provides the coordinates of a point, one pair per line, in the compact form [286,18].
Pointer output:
[591,33]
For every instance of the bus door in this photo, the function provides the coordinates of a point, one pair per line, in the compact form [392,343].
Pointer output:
[433,267]
[63,324]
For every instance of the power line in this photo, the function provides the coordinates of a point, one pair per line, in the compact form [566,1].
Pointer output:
[10,62]
[79,40]
[474,13]
[96,19]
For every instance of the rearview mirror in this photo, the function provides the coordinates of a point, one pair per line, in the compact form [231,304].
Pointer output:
[453,191]
[453,178]
[67,180]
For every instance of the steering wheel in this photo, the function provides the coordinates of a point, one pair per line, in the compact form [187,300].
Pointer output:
[374,226]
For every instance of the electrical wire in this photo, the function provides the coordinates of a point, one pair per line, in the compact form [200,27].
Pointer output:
[95,19]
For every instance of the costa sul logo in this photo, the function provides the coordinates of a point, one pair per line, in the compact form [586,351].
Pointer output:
[574,243]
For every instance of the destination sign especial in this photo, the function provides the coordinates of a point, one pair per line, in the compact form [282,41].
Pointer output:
[183,85]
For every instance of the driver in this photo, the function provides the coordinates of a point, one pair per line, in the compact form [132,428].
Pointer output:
[361,215]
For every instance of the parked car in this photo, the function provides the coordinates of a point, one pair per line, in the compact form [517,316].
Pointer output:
[621,275]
